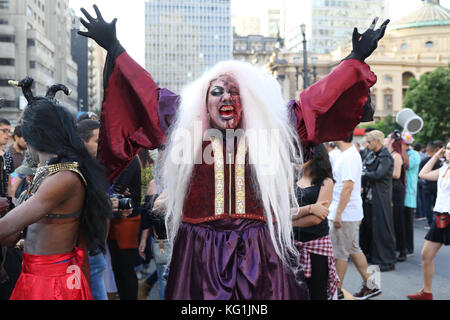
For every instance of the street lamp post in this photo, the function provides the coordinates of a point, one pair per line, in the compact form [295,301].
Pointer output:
[305,58]
[314,62]
[296,64]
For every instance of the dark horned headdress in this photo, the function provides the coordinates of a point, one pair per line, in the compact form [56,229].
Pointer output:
[26,84]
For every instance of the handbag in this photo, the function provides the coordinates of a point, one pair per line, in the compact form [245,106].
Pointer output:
[442,220]
[161,250]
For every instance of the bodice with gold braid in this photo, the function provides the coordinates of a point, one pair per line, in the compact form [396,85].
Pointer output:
[41,174]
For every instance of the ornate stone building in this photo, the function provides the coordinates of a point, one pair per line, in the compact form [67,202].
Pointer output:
[414,45]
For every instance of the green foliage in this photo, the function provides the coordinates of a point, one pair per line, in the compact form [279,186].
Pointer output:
[146,177]
[386,125]
[429,97]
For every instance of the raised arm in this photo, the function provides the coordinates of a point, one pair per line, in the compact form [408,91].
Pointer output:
[332,107]
[427,172]
[135,113]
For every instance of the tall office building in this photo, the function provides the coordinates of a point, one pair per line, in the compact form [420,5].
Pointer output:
[184,38]
[329,23]
[35,41]
[80,51]
[244,26]
[333,21]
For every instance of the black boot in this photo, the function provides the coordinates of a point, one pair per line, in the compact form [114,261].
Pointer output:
[402,256]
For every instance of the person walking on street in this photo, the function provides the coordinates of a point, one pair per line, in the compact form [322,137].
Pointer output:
[346,213]
[439,233]
[377,236]
[412,176]
[429,187]
[394,145]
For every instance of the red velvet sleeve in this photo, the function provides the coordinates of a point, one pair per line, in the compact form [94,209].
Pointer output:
[131,115]
[333,106]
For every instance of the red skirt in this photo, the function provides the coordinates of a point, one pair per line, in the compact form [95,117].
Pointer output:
[52,277]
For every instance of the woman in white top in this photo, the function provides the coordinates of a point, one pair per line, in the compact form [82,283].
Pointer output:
[439,233]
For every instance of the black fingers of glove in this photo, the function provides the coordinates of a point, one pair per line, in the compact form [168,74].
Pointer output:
[99,30]
[365,44]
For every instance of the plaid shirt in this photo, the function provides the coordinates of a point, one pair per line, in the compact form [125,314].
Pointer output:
[323,247]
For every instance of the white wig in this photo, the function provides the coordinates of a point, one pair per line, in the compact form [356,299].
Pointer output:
[264,111]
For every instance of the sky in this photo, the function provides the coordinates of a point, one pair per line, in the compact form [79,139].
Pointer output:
[131,16]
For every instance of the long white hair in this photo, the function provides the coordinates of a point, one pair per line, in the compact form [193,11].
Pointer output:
[264,112]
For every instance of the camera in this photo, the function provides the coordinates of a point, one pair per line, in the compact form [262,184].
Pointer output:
[124,203]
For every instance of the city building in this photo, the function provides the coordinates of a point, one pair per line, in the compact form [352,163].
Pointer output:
[35,41]
[244,26]
[412,46]
[255,49]
[79,48]
[97,58]
[329,22]
[184,38]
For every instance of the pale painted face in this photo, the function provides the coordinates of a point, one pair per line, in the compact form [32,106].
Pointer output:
[224,103]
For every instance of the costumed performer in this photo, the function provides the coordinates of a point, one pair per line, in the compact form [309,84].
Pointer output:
[228,217]
[67,202]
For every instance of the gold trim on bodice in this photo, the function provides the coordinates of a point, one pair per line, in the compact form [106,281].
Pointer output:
[219,177]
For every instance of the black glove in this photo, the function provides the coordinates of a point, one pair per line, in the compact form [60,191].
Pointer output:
[99,30]
[366,43]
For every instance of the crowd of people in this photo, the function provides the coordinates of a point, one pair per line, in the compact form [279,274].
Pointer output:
[382,191]
[85,206]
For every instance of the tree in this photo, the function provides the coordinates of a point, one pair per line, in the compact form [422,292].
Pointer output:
[386,125]
[429,97]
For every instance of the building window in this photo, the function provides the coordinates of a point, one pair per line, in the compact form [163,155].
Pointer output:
[387,102]
[373,101]
[7,103]
[387,78]
[31,42]
[4,4]
[3,21]
[6,38]
[32,64]
[405,78]
[429,44]
[404,46]
[6,62]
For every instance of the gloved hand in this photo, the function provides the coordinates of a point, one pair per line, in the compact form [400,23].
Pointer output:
[366,43]
[99,30]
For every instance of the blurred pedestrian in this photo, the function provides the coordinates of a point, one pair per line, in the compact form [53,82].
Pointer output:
[124,231]
[346,213]
[88,131]
[439,233]
[412,176]
[394,145]
[333,152]
[377,235]
[18,147]
[429,187]
[314,193]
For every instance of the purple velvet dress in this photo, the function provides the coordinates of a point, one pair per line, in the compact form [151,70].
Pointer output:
[230,259]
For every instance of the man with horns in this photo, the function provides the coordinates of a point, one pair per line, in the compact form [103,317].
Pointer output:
[229,218]
[67,200]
